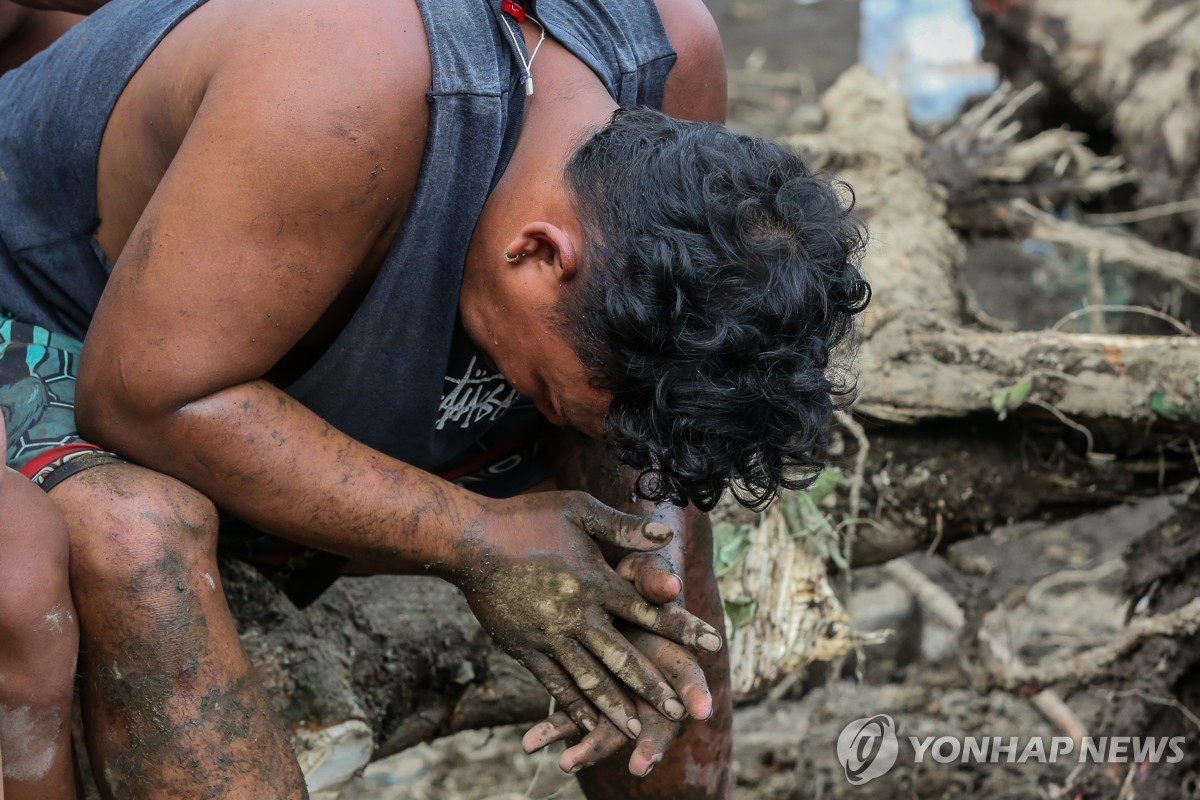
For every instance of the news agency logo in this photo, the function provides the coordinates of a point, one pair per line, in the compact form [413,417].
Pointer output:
[867,748]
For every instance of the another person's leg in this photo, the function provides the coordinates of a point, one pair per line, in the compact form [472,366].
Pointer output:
[39,640]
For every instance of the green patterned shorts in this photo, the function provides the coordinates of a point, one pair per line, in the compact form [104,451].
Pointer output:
[37,398]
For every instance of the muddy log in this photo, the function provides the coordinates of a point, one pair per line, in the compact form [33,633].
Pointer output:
[376,665]
[935,484]
[1133,67]
[939,371]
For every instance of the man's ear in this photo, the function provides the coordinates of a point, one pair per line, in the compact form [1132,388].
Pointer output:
[547,247]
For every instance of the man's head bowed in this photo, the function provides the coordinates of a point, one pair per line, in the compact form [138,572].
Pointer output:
[719,274]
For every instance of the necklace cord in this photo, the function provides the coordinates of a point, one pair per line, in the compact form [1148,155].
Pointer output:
[527,65]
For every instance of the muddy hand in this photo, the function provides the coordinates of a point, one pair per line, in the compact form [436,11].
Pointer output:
[539,585]
[655,579]
[590,746]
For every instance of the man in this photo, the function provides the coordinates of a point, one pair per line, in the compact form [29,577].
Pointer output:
[318,253]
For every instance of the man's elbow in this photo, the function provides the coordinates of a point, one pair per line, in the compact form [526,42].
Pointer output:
[110,407]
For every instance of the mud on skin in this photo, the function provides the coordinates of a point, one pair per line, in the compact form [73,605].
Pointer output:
[147,688]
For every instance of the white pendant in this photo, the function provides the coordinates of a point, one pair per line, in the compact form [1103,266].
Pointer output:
[529,86]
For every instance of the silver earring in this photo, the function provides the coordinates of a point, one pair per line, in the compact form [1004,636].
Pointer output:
[513,259]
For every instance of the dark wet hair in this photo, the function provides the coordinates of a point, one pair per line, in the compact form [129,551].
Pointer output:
[718,275]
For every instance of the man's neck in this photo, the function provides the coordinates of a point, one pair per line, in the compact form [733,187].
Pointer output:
[569,103]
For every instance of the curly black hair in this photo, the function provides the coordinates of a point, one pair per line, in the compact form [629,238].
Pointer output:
[719,274]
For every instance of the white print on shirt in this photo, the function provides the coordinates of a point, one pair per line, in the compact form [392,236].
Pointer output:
[478,395]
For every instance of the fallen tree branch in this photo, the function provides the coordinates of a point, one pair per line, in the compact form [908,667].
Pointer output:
[1127,251]
[983,163]
[938,371]
[1089,664]
[1183,328]
[1189,206]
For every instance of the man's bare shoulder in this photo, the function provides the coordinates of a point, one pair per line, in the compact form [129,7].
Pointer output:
[316,97]
[358,69]
[696,86]
[371,53]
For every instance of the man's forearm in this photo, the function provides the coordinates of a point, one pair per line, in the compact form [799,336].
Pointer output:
[270,461]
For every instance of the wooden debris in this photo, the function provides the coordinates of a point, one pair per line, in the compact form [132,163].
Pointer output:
[793,617]
[938,602]
[1092,663]
[1124,250]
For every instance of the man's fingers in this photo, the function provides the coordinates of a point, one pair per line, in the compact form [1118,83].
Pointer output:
[652,576]
[682,669]
[604,742]
[657,734]
[623,530]
[563,689]
[557,727]
[673,621]
[633,668]
[598,686]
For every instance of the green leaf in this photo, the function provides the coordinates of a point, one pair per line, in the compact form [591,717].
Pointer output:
[729,545]
[1010,398]
[1158,404]
[825,483]
[740,611]
[838,557]
[790,504]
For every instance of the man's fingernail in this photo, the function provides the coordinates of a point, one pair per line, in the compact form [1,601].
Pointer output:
[674,709]
[710,642]
[634,727]
[650,766]
[575,769]
[588,723]
[657,531]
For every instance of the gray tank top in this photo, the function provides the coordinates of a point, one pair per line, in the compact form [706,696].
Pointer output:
[400,377]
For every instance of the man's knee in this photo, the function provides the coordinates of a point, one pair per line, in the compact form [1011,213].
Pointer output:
[137,528]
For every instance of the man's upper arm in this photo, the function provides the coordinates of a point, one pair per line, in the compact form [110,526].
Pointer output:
[280,190]
[696,87]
